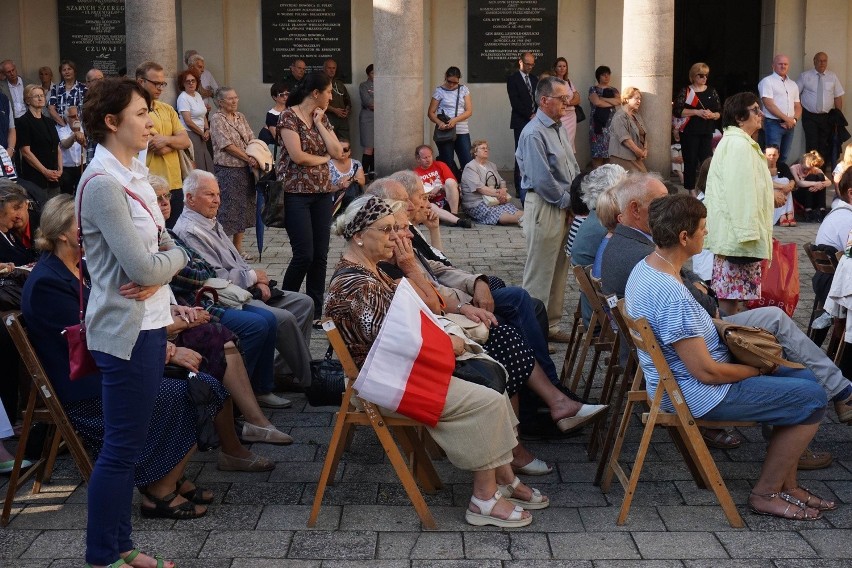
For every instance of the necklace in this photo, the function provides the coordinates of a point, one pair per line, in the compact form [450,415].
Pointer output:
[666,261]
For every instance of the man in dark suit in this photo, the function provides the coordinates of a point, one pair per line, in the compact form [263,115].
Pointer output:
[521,89]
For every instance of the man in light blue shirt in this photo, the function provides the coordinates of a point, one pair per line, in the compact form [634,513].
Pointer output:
[548,167]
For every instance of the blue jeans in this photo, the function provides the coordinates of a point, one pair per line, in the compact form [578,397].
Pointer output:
[513,305]
[256,329]
[775,134]
[461,147]
[129,390]
[789,397]
[307,218]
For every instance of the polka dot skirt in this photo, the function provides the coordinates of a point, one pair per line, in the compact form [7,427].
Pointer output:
[506,345]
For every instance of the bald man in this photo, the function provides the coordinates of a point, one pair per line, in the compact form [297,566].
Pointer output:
[779,95]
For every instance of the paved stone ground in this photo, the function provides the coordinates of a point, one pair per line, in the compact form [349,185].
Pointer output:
[367,521]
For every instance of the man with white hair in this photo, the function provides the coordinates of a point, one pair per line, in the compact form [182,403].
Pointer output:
[208,86]
[197,226]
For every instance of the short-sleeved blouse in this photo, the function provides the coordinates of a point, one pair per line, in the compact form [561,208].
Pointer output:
[337,174]
[196,107]
[61,97]
[224,132]
[674,314]
[358,301]
[474,176]
[297,178]
[447,104]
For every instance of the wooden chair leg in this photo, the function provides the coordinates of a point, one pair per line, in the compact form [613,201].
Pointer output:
[335,450]
[55,445]
[419,462]
[600,426]
[630,490]
[687,452]
[14,476]
[400,467]
[615,411]
[588,339]
[617,446]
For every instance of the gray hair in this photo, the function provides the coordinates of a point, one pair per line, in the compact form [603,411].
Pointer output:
[634,187]
[409,181]
[222,91]
[194,179]
[546,87]
[192,59]
[382,186]
[158,182]
[597,181]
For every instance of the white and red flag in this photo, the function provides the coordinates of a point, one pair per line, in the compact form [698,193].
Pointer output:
[409,366]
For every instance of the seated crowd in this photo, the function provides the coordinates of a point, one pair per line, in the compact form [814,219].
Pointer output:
[160,332]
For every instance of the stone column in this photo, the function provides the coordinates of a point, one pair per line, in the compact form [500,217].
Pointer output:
[647,60]
[398,48]
[152,36]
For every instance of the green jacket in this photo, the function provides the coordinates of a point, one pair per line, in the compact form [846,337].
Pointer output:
[739,198]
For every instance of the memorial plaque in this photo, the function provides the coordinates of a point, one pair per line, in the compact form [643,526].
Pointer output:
[307,29]
[92,34]
[498,31]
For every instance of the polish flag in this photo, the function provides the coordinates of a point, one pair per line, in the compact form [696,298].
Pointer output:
[409,366]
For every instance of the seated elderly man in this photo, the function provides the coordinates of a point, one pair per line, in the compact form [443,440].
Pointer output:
[511,304]
[197,227]
[632,241]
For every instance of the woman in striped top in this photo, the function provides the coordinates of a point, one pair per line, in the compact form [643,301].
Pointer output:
[715,387]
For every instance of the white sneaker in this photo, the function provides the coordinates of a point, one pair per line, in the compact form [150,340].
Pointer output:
[822,322]
[269,400]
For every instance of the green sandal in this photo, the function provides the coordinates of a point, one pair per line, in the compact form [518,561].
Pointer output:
[131,556]
[116,564]
[196,494]
[163,510]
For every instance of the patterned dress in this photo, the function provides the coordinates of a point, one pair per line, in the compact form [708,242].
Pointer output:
[236,182]
[599,141]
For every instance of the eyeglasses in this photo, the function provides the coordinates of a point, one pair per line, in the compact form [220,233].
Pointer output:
[159,85]
[387,229]
[230,99]
[346,149]
[701,75]
[284,94]
[190,81]
[564,98]
[755,111]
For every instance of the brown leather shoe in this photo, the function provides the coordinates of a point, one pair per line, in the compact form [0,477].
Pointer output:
[559,337]
[254,462]
[811,459]
[843,408]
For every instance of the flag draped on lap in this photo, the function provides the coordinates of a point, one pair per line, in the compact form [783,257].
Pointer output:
[409,366]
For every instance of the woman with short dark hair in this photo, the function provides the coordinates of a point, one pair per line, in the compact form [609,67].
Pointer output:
[451,107]
[604,100]
[713,385]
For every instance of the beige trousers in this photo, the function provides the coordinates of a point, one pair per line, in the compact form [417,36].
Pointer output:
[546,269]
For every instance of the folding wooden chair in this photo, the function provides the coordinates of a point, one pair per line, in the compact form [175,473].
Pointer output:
[578,330]
[602,343]
[42,406]
[681,425]
[822,262]
[410,434]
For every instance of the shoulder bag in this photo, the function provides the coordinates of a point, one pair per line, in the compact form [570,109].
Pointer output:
[448,135]
[224,292]
[327,381]
[753,346]
[578,109]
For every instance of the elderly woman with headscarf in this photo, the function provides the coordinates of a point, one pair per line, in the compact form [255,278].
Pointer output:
[476,426]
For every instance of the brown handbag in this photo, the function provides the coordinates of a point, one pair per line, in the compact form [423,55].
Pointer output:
[753,346]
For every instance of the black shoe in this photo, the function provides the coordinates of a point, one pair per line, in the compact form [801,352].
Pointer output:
[464,223]
[543,428]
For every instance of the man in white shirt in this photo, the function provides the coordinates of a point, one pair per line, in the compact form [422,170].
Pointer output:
[72,144]
[820,91]
[13,87]
[208,86]
[781,107]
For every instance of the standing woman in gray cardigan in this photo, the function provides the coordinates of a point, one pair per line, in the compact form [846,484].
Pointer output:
[130,258]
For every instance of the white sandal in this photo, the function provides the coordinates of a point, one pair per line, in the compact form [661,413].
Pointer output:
[484,517]
[537,501]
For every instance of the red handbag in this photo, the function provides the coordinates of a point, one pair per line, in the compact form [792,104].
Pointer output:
[780,279]
[80,359]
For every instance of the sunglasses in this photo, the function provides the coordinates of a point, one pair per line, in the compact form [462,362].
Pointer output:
[346,148]
[701,75]
[387,229]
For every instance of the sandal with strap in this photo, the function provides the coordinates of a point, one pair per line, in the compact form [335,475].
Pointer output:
[800,514]
[722,440]
[483,518]
[822,505]
[196,494]
[131,556]
[537,501]
[163,509]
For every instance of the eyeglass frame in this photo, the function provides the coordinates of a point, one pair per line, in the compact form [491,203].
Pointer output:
[387,229]
[159,85]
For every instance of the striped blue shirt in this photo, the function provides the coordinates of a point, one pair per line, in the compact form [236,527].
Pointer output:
[674,314]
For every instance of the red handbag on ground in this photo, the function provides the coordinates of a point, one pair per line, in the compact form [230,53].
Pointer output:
[780,279]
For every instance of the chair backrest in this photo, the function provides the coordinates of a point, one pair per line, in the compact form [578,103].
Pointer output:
[644,340]
[47,394]
[821,260]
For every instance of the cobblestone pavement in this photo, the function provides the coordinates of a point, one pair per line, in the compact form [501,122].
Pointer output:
[366,520]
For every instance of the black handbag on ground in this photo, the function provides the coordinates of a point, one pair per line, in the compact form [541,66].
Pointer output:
[483,372]
[327,381]
[272,190]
